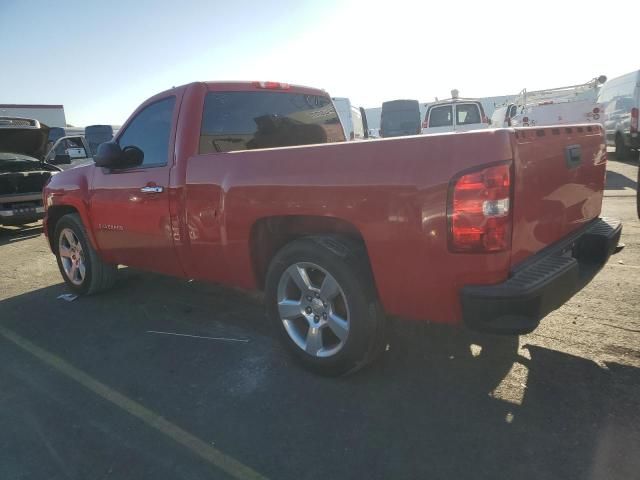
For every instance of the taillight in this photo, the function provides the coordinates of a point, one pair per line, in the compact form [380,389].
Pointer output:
[596,111]
[525,121]
[272,85]
[479,210]
[634,120]
[425,124]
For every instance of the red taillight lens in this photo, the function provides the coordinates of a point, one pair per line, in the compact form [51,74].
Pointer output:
[634,120]
[479,210]
[272,85]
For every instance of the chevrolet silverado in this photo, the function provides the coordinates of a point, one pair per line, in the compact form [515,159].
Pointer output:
[252,185]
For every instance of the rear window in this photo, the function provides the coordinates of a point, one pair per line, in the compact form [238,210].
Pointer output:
[467,113]
[441,116]
[248,120]
[400,120]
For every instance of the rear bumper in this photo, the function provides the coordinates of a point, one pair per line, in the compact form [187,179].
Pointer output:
[542,283]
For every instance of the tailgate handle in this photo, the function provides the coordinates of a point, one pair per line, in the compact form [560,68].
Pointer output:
[573,156]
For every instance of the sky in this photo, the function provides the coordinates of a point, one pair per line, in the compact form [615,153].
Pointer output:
[101,59]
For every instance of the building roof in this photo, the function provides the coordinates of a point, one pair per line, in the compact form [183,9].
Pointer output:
[17,105]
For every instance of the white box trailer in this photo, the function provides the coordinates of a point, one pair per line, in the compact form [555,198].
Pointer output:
[50,115]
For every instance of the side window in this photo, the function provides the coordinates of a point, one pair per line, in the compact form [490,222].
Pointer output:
[250,120]
[467,113]
[441,116]
[513,111]
[150,131]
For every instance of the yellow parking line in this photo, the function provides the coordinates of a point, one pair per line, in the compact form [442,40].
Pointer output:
[210,454]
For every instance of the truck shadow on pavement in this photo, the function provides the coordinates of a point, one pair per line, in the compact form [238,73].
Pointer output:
[618,181]
[440,403]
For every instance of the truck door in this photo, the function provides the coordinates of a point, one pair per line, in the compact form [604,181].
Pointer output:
[130,206]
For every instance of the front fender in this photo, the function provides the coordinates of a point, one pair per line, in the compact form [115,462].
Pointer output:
[68,192]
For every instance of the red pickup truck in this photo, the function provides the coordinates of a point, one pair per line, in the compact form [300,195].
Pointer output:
[251,185]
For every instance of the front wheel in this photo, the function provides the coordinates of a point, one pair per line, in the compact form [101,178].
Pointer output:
[321,298]
[81,267]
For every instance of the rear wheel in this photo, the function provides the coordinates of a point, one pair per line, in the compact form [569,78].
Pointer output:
[622,151]
[81,267]
[321,298]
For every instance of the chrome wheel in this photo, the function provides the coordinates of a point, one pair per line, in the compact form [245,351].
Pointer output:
[313,309]
[72,256]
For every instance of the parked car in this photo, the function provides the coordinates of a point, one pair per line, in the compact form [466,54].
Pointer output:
[621,99]
[353,119]
[23,173]
[399,118]
[75,147]
[559,106]
[97,134]
[454,115]
[226,182]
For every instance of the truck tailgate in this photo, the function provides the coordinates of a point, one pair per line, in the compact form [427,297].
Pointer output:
[559,184]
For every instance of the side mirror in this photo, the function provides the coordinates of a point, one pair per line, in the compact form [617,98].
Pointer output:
[61,159]
[110,155]
[132,156]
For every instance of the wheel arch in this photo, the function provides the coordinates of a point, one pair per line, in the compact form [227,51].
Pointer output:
[269,234]
[55,213]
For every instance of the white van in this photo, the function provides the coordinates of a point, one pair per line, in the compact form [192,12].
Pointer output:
[354,120]
[621,99]
[454,115]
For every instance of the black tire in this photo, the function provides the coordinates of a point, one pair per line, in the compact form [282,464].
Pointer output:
[347,262]
[622,151]
[99,276]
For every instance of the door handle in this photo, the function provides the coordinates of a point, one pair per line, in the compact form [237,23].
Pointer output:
[151,190]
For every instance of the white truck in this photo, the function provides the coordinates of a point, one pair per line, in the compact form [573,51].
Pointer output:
[554,106]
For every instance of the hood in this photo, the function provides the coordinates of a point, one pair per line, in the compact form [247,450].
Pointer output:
[23,136]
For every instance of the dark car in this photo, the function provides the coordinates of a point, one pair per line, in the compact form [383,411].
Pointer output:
[23,173]
[400,118]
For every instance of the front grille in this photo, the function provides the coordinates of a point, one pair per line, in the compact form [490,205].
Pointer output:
[23,183]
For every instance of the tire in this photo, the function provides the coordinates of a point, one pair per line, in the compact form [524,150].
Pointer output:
[622,151]
[72,247]
[321,298]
